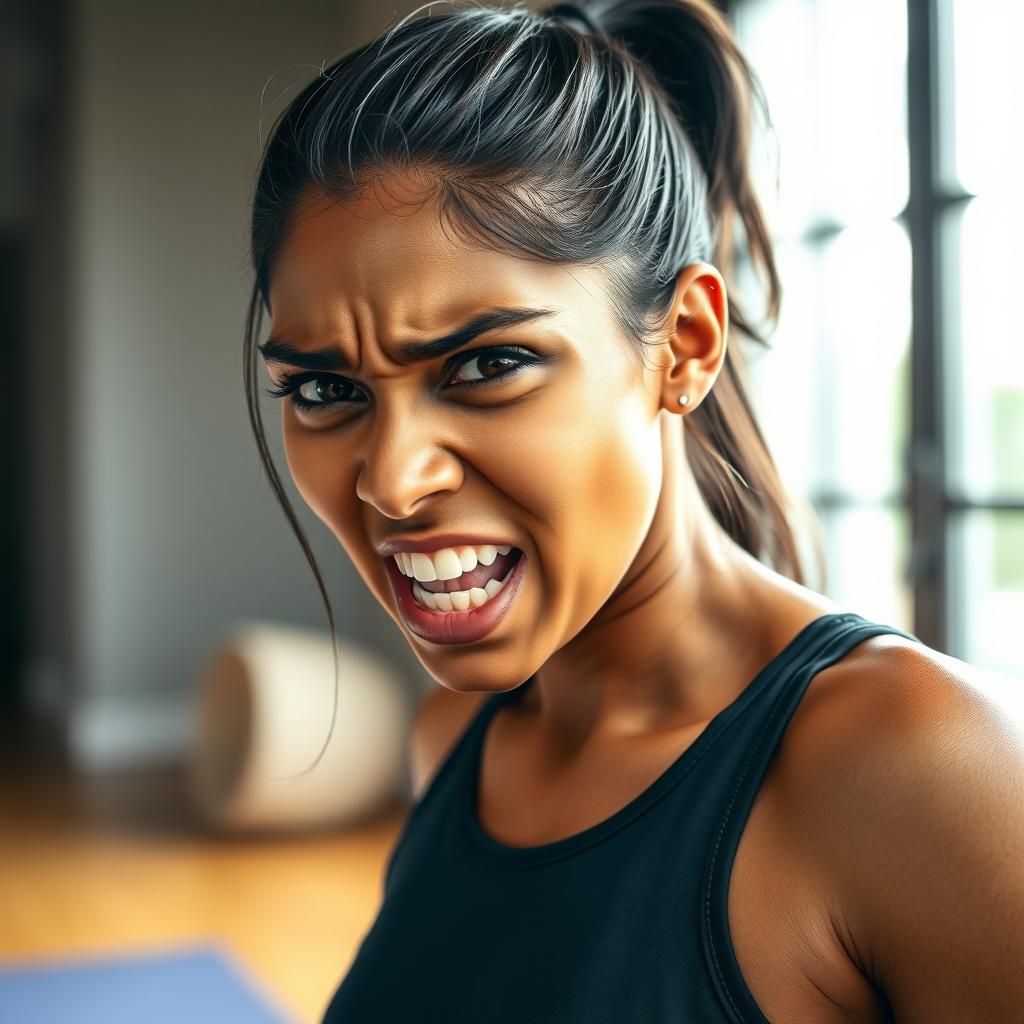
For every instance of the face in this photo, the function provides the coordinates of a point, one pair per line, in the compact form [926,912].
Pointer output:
[540,435]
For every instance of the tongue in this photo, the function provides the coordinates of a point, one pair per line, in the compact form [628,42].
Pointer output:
[476,577]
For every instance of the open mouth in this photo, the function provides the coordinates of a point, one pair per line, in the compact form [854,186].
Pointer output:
[466,608]
[472,589]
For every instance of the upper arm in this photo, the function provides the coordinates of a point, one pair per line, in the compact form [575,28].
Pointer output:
[438,723]
[920,821]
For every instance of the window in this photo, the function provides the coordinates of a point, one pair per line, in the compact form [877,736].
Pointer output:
[893,396]
[981,223]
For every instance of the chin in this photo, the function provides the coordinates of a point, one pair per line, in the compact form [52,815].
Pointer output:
[475,680]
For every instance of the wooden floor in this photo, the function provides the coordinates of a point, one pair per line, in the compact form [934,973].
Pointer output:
[116,864]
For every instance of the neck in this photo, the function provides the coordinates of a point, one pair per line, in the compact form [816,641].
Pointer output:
[690,624]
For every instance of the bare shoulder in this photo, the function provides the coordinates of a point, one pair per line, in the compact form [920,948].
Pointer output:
[890,694]
[904,784]
[440,720]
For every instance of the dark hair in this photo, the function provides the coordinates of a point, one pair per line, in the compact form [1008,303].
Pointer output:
[611,131]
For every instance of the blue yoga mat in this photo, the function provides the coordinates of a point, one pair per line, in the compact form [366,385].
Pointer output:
[198,985]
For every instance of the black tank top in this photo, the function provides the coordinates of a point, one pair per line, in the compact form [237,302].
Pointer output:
[624,922]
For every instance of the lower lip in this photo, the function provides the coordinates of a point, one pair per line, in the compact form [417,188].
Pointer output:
[454,627]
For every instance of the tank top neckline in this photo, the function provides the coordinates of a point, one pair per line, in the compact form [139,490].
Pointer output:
[526,856]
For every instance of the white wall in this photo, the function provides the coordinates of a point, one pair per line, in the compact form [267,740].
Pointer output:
[175,534]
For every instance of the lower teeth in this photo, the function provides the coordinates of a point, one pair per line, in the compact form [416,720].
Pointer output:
[459,600]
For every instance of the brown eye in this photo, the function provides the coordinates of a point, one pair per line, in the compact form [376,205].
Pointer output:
[316,393]
[490,365]
[322,391]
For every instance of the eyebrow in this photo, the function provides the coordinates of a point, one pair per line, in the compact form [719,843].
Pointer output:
[278,350]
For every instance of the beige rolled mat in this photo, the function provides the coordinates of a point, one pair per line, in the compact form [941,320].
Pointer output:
[262,715]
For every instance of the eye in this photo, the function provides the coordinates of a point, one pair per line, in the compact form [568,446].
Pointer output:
[504,361]
[319,392]
[313,392]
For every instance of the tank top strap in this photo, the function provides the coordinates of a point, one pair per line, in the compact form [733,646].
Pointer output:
[824,642]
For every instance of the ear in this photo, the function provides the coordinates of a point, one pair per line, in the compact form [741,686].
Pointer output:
[697,329]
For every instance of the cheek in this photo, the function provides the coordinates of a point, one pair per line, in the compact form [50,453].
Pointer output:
[323,473]
[323,470]
[625,476]
[587,470]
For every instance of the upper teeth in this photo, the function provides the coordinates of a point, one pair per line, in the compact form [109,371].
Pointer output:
[448,563]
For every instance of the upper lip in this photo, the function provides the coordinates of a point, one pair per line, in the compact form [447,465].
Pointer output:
[437,542]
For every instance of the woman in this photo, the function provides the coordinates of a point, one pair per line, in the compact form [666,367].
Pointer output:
[661,779]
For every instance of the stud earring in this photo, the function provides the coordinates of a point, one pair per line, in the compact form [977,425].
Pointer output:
[683,399]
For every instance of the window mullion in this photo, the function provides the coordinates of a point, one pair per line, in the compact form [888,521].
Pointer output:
[926,456]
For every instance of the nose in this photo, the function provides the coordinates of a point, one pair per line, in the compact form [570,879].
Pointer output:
[404,462]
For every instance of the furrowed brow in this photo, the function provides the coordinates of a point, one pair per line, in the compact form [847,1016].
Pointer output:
[278,350]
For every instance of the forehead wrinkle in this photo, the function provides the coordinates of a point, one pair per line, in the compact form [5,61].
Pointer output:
[396,279]
[388,237]
[382,335]
[397,315]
